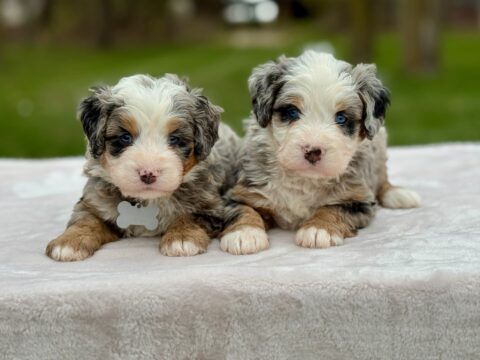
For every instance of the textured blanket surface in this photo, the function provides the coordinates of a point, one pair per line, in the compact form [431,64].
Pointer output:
[408,287]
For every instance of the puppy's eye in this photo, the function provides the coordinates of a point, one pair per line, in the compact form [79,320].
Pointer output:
[173,140]
[340,118]
[290,113]
[125,139]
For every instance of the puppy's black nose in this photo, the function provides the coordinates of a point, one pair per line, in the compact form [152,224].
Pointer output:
[313,155]
[148,178]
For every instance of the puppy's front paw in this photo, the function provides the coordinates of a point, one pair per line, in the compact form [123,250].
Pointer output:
[180,248]
[65,248]
[181,245]
[312,237]
[245,240]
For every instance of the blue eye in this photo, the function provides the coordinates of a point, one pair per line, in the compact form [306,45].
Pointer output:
[173,140]
[290,113]
[126,139]
[340,118]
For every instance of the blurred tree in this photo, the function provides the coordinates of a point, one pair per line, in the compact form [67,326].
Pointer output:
[45,19]
[329,14]
[300,10]
[125,11]
[362,30]
[1,42]
[105,31]
[420,22]
[46,13]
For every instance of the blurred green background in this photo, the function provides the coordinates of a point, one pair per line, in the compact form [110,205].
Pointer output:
[51,52]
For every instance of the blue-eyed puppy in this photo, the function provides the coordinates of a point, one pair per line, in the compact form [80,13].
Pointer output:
[314,155]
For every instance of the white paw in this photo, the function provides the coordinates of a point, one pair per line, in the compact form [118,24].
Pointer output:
[67,253]
[400,198]
[180,248]
[313,237]
[245,240]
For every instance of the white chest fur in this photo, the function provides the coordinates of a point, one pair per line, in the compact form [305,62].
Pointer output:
[295,199]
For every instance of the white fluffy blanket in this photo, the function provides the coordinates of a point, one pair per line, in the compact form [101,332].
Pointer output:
[408,287]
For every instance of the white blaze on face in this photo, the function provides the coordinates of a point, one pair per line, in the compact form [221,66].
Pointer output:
[149,168]
[320,93]
[162,165]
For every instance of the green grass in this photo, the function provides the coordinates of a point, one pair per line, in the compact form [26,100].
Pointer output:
[40,88]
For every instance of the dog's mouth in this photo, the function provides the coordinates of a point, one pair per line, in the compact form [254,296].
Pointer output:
[314,171]
[146,192]
[319,170]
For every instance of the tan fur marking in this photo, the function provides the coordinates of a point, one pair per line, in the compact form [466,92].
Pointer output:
[122,121]
[247,217]
[349,105]
[359,194]
[104,159]
[184,230]
[331,219]
[362,134]
[84,236]
[383,183]
[172,124]
[268,216]
[130,124]
[189,163]
[382,190]
[256,201]
[295,100]
[243,194]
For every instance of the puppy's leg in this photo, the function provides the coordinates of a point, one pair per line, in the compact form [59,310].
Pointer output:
[395,197]
[331,224]
[81,239]
[184,237]
[246,234]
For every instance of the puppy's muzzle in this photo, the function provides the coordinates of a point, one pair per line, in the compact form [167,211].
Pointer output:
[312,154]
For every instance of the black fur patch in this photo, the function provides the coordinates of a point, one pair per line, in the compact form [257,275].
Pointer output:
[265,84]
[350,127]
[185,141]
[213,222]
[374,95]
[113,227]
[93,116]
[232,212]
[90,114]
[382,101]
[116,147]
[206,122]
[283,111]
[264,102]
[357,207]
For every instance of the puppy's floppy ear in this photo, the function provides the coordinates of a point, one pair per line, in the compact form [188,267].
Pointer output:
[206,119]
[264,85]
[93,112]
[375,97]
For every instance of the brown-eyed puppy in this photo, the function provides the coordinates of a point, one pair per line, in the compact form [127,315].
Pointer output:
[314,155]
[152,141]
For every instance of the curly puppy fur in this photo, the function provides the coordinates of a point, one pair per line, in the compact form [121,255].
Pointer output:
[314,155]
[151,140]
